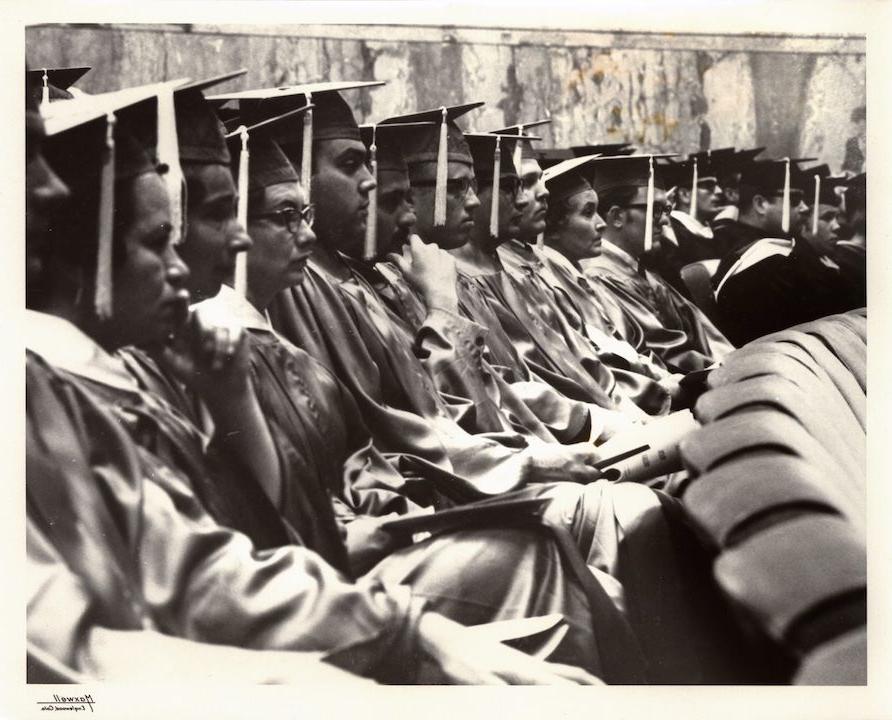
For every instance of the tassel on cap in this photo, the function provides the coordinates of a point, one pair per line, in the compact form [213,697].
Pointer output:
[442,172]
[169,154]
[785,208]
[649,209]
[816,209]
[494,204]
[694,182]
[370,249]
[518,151]
[102,299]
[540,240]
[306,158]
[241,260]
[45,92]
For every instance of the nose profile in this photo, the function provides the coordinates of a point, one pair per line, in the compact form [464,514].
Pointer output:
[177,270]
[472,202]
[239,240]
[305,237]
[521,200]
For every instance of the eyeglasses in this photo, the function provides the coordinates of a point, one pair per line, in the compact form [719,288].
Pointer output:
[457,187]
[660,208]
[510,185]
[290,217]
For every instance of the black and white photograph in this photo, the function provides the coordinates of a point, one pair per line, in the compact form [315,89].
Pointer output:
[373,345]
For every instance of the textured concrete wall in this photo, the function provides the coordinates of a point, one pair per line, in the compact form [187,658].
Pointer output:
[668,92]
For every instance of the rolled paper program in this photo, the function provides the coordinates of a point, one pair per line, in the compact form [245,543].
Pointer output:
[658,442]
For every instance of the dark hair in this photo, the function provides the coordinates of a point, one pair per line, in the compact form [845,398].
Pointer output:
[619,196]
[746,195]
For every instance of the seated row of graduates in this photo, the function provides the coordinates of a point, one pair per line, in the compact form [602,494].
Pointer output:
[216,478]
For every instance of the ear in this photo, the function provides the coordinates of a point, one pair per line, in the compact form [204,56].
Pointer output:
[615,217]
[760,204]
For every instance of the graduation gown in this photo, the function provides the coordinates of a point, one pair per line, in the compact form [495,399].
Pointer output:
[693,242]
[528,402]
[554,308]
[344,326]
[851,257]
[768,284]
[453,573]
[348,331]
[654,315]
[638,375]
[115,541]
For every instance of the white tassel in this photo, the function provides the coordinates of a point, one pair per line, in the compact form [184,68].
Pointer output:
[540,240]
[816,210]
[169,155]
[442,176]
[306,157]
[102,299]
[518,151]
[694,182]
[241,260]
[649,209]
[785,208]
[494,205]
[370,249]
[45,92]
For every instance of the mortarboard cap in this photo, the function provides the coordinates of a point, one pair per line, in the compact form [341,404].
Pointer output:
[90,146]
[776,176]
[494,159]
[384,144]
[628,171]
[331,117]
[567,178]
[441,142]
[522,150]
[258,162]
[824,190]
[47,84]
[198,129]
[552,156]
[605,149]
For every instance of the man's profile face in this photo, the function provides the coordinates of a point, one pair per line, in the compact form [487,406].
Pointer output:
[461,203]
[533,221]
[396,211]
[214,236]
[340,192]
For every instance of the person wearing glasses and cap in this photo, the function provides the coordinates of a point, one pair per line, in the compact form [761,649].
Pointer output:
[654,316]
[693,189]
[573,234]
[565,419]
[769,281]
[135,532]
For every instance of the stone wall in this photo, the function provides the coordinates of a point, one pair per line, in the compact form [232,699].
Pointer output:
[662,92]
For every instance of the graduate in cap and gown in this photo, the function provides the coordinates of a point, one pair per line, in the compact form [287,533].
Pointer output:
[572,231]
[335,315]
[850,249]
[339,472]
[769,281]
[528,401]
[316,309]
[693,189]
[655,316]
[100,497]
